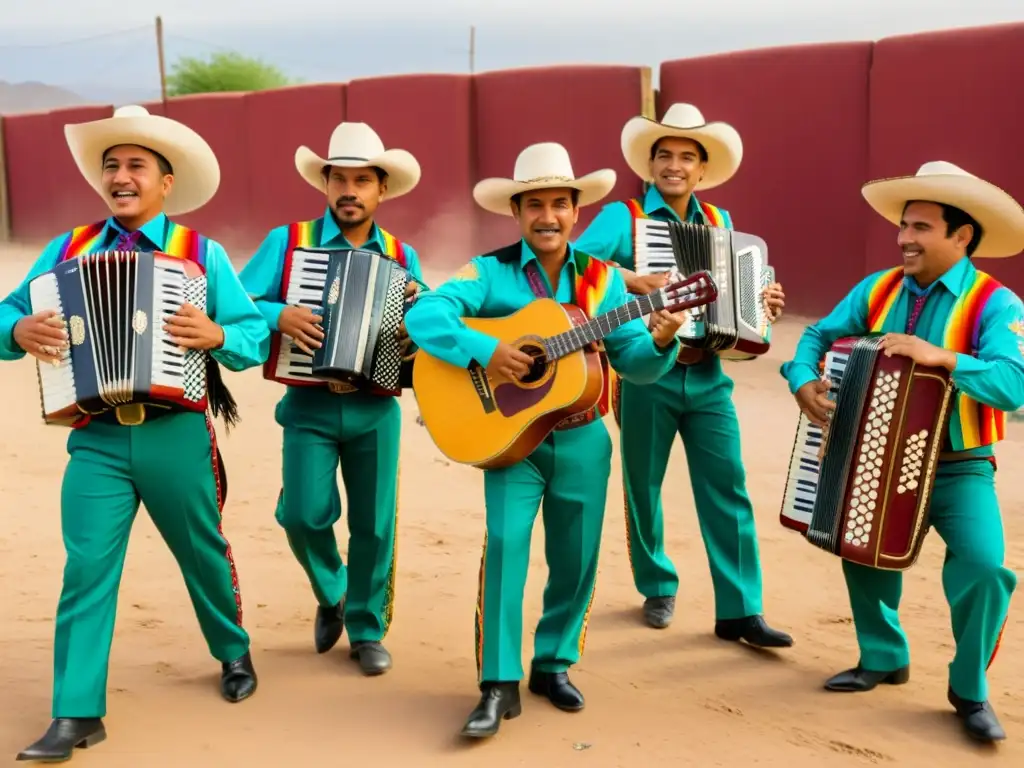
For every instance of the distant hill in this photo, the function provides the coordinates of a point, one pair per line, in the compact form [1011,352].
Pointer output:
[16,98]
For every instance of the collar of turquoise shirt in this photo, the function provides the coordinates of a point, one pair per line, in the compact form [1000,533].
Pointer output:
[154,230]
[331,232]
[654,203]
[526,255]
[952,280]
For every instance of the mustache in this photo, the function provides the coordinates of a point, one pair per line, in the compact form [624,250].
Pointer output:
[347,201]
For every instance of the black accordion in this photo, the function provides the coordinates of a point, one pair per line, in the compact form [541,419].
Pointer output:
[360,295]
[114,305]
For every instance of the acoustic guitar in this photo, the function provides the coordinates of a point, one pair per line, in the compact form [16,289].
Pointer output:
[485,420]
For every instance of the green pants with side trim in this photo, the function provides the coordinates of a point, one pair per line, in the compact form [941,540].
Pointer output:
[694,402]
[965,513]
[362,432]
[171,465]
[568,475]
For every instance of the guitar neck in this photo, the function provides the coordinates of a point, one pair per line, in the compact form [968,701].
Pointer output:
[577,338]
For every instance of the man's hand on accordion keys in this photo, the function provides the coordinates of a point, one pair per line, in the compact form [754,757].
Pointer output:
[302,325]
[191,329]
[813,400]
[774,301]
[42,335]
[918,350]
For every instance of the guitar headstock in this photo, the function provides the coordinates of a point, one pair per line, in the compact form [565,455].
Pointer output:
[685,293]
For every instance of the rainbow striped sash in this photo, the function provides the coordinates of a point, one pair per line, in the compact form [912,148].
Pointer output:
[973,424]
[179,242]
[716,217]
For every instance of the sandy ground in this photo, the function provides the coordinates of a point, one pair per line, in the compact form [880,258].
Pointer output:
[671,697]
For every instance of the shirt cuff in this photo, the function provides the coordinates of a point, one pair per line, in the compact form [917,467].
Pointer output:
[479,347]
[968,364]
[798,375]
[271,312]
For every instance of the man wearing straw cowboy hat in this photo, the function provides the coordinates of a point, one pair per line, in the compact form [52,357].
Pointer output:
[569,471]
[679,155]
[325,424]
[146,168]
[939,309]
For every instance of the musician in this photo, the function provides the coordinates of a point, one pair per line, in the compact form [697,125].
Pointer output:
[146,168]
[947,219]
[569,470]
[323,424]
[678,156]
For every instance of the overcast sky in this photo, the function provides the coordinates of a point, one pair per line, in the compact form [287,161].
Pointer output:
[321,40]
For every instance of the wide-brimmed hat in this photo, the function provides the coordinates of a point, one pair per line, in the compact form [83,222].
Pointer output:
[542,166]
[195,167]
[357,145]
[1000,216]
[684,121]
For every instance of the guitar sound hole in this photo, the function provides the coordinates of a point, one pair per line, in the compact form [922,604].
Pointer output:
[540,363]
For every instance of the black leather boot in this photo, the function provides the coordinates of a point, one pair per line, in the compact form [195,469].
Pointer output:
[238,679]
[64,735]
[329,625]
[753,629]
[978,719]
[498,701]
[373,658]
[556,688]
[859,680]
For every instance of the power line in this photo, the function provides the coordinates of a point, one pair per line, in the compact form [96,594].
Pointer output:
[74,41]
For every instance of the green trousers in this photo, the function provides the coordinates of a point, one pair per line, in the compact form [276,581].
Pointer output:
[172,466]
[696,402]
[965,513]
[567,474]
[362,432]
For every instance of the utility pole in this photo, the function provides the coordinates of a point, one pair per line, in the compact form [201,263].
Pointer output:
[472,49]
[160,58]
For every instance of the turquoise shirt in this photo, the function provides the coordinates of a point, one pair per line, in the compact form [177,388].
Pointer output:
[489,287]
[262,275]
[246,337]
[610,234]
[995,377]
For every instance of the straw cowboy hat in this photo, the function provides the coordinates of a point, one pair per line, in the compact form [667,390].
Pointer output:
[357,145]
[1000,216]
[684,121]
[195,167]
[542,166]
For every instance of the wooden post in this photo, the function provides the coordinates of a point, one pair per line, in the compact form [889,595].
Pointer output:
[5,206]
[648,102]
[160,58]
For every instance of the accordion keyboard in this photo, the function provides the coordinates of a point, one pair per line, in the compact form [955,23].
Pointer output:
[804,465]
[305,289]
[57,382]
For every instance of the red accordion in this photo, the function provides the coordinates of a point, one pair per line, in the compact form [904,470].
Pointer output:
[860,488]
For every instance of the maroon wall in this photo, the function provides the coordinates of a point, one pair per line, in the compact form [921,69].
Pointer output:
[951,96]
[277,123]
[582,108]
[802,113]
[817,122]
[431,117]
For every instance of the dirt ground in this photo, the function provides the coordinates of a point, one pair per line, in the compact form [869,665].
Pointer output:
[671,697]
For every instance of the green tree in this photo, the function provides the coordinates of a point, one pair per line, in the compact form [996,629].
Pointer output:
[222,72]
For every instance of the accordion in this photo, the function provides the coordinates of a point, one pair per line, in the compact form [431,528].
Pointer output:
[860,488]
[115,304]
[360,296]
[735,325]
